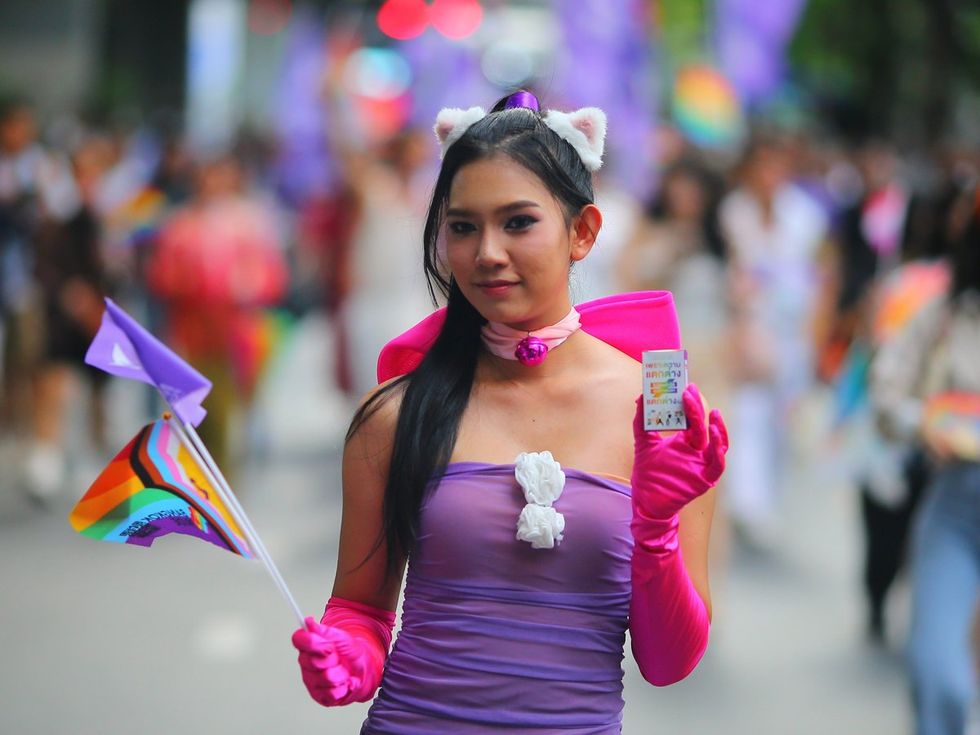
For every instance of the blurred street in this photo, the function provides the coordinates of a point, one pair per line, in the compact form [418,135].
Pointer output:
[256,183]
[98,639]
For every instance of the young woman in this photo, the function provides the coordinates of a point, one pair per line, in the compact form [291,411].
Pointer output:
[505,631]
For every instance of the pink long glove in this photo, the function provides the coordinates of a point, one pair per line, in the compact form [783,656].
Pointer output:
[342,657]
[668,619]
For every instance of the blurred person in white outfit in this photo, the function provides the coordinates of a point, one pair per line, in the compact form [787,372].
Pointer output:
[387,291]
[677,247]
[773,231]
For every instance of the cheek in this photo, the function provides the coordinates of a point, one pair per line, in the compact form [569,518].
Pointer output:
[458,257]
[547,262]
[453,250]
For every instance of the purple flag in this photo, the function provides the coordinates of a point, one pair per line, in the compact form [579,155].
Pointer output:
[123,347]
[751,40]
[606,59]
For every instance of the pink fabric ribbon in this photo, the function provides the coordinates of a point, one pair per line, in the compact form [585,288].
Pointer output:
[630,322]
[502,341]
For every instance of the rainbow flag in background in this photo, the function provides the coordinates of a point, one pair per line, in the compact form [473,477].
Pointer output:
[154,487]
[138,219]
[955,417]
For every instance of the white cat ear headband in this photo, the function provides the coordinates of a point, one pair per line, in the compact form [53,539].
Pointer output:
[584,129]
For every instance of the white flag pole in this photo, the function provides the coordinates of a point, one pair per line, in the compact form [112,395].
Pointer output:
[190,439]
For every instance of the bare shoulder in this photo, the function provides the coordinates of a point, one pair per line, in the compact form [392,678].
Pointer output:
[618,377]
[605,411]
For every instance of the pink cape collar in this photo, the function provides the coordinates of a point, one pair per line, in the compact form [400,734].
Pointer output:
[630,322]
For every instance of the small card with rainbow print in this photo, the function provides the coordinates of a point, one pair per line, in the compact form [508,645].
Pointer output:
[664,381]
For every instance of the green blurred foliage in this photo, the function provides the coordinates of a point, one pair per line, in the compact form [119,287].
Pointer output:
[898,68]
[683,27]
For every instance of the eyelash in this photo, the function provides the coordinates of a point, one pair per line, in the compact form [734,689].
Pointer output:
[526,221]
[519,223]
[460,228]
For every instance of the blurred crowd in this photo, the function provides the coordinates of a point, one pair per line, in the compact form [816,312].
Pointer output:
[799,263]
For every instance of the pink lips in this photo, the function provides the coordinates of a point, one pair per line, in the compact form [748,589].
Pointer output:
[496,288]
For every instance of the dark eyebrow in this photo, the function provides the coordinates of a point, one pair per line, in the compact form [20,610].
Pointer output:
[456,212]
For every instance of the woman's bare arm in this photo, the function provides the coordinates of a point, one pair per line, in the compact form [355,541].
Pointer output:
[693,532]
[360,566]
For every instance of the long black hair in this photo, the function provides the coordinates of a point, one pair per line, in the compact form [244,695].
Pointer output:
[435,394]
[710,186]
[965,249]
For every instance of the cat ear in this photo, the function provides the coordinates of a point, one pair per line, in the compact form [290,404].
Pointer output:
[585,130]
[452,122]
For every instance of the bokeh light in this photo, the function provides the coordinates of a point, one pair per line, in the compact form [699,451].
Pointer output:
[456,19]
[705,107]
[378,73]
[268,17]
[403,19]
[507,64]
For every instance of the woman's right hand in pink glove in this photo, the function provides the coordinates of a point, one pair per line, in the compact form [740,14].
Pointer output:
[669,472]
[331,661]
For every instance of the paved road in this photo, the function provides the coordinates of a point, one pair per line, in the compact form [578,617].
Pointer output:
[98,639]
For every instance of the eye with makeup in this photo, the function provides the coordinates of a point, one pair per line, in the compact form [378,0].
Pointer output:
[460,227]
[520,222]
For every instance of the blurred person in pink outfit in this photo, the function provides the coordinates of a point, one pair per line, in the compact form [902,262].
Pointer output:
[773,230]
[218,263]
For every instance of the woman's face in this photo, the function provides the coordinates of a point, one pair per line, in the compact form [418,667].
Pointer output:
[508,244]
[684,196]
[769,169]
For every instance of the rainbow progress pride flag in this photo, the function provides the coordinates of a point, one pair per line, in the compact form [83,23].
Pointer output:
[154,487]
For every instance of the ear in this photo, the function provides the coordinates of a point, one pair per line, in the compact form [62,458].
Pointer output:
[452,122]
[585,130]
[585,230]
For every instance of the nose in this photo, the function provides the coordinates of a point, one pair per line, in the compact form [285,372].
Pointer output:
[491,252]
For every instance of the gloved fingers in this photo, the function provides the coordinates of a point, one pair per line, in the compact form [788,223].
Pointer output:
[338,675]
[314,626]
[717,446]
[715,419]
[355,687]
[328,694]
[346,646]
[339,639]
[338,685]
[318,661]
[304,640]
[640,435]
[696,434]
[313,643]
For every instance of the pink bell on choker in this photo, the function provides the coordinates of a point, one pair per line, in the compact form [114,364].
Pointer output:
[531,351]
[528,348]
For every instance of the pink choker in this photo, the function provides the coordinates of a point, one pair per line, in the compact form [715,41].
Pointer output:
[528,348]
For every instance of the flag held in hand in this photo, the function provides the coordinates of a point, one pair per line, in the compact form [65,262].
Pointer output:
[155,486]
[124,348]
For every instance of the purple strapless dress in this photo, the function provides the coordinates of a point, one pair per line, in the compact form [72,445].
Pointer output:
[499,636]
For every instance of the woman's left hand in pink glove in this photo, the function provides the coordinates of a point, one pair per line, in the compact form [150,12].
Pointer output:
[671,471]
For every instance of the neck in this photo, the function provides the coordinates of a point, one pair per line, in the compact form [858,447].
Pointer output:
[564,360]
[530,346]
